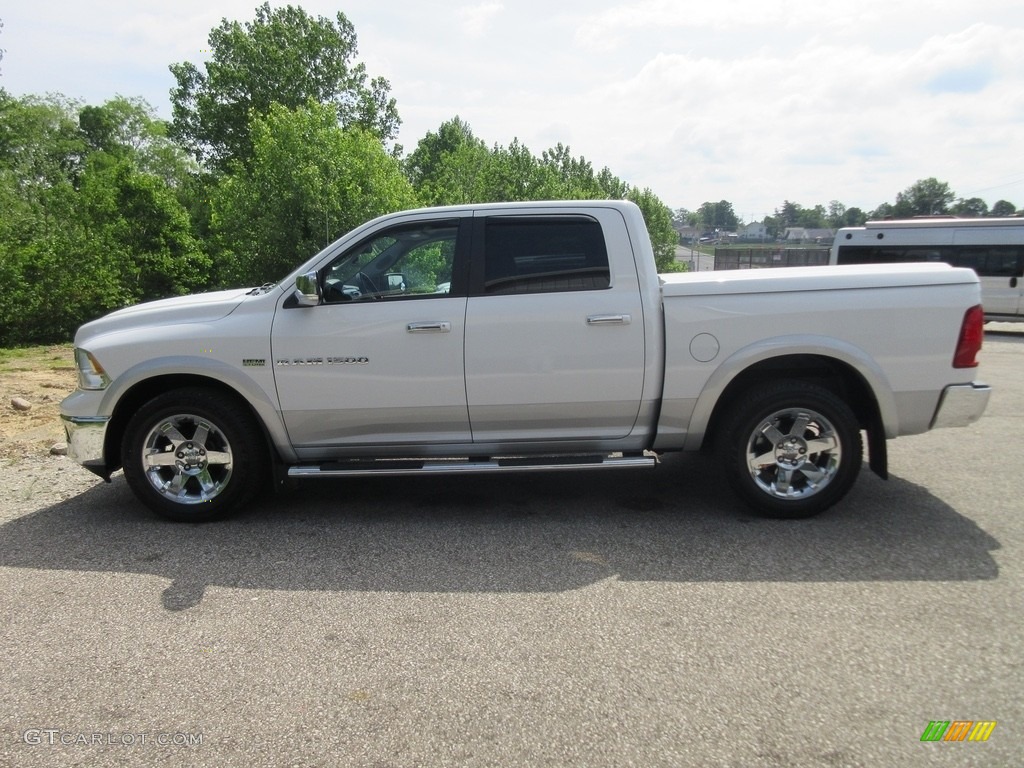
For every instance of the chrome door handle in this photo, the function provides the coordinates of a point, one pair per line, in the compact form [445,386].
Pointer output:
[429,327]
[609,320]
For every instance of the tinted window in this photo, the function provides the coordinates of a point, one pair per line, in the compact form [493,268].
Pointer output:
[991,261]
[544,255]
[997,261]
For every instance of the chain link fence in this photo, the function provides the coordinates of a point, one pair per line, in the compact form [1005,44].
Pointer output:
[759,258]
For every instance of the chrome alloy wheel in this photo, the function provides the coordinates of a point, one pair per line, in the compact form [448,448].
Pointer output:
[187,459]
[794,453]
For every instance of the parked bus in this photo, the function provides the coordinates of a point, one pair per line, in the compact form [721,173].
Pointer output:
[994,248]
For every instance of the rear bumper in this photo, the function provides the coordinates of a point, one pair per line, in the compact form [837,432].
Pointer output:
[85,441]
[961,404]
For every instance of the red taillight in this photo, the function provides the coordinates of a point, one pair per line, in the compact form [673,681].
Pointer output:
[971,334]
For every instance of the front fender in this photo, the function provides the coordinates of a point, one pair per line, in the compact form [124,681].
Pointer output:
[256,389]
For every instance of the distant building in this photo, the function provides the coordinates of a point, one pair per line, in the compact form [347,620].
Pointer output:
[687,234]
[754,231]
[807,236]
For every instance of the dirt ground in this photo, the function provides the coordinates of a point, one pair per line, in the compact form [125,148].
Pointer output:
[43,376]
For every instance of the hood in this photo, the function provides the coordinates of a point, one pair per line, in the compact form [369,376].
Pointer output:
[197,308]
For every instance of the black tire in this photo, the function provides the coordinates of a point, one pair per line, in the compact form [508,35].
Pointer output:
[808,442]
[194,455]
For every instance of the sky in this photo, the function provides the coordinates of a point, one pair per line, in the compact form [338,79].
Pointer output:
[752,101]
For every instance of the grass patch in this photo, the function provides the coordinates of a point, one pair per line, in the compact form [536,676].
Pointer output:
[54,357]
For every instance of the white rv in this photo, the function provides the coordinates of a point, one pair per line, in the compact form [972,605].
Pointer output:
[992,247]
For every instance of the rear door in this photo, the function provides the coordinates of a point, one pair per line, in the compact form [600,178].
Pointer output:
[554,328]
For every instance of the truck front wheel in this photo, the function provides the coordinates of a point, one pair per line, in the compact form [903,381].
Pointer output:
[193,455]
[791,449]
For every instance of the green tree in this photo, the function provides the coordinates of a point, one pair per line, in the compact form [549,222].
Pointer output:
[284,57]
[139,217]
[40,143]
[129,128]
[515,173]
[883,211]
[926,197]
[611,186]
[447,167]
[658,218]
[683,217]
[720,216]
[813,218]
[1004,208]
[308,182]
[854,217]
[971,207]
[575,176]
[787,216]
[85,225]
[41,161]
[836,215]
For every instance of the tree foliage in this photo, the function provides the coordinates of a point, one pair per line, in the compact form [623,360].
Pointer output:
[85,226]
[973,206]
[1003,208]
[720,216]
[284,56]
[452,166]
[308,182]
[927,197]
[446,168]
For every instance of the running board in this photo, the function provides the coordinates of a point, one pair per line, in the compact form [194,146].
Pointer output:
[393,467]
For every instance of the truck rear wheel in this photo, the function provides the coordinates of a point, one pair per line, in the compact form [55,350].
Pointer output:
[791,450]
[193,455]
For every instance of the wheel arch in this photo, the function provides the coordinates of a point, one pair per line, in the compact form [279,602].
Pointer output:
[145,390]
[857,386]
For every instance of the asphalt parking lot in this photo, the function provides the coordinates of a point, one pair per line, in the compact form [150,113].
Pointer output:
[637,618]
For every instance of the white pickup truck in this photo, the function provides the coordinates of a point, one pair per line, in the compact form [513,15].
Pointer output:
[523,337]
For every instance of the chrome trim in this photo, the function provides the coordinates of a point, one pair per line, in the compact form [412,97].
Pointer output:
[85,438]
[609,319]
[429,327]
[307,290]
[960,405]
[544,464]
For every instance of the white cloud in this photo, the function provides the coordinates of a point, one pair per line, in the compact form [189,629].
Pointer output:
[477,19]
[752,101]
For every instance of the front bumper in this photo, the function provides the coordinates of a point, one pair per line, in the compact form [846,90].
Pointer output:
[86,435]
[960,405]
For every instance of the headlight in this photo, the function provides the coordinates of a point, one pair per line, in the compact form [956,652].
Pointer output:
[90,373]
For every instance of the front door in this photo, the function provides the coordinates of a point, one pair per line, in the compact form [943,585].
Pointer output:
[380,361]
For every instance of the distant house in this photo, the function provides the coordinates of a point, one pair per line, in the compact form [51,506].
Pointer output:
[807,236]
[687,234]
[754,231]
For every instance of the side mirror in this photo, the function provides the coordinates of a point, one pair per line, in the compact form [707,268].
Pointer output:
[307,290]
[396,282]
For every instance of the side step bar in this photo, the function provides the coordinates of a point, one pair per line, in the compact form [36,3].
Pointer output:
[468,466]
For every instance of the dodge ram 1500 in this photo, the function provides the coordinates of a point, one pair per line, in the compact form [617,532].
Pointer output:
[523,337]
